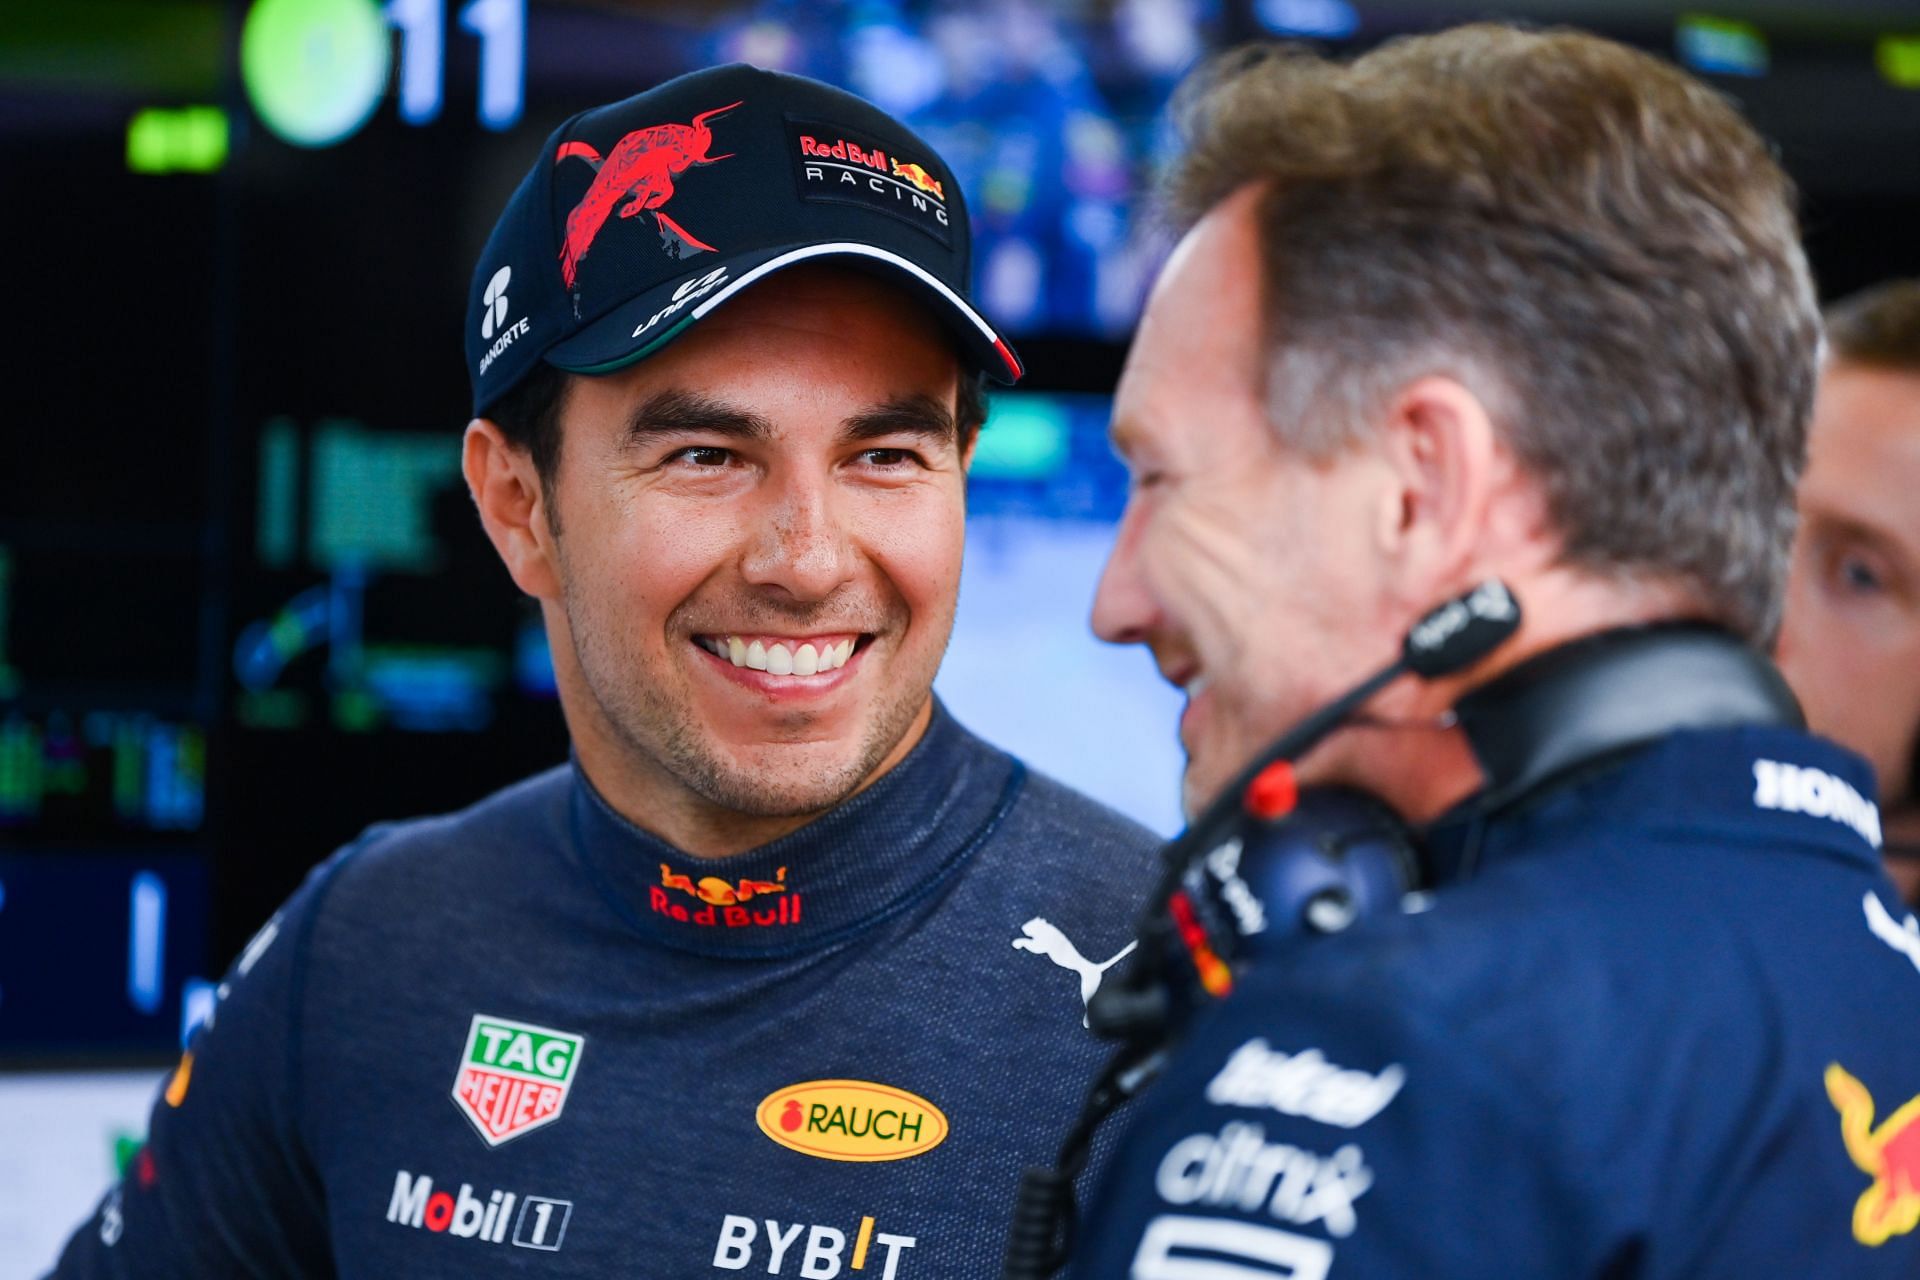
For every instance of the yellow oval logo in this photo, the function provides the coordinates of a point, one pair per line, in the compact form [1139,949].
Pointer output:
[851,1120]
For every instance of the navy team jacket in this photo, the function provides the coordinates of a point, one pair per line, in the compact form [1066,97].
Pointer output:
[1670,1027]
[530,1039]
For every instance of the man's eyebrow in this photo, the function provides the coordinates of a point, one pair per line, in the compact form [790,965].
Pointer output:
[1833,525]
[681,412]
[913,415]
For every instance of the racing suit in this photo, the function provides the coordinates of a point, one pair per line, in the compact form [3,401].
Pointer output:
[1662,1020]
[533,1039]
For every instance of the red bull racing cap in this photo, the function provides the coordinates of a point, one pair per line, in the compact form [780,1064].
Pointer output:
[640,218]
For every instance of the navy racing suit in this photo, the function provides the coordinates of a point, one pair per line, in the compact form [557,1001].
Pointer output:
[533,1039]
[1663,1021]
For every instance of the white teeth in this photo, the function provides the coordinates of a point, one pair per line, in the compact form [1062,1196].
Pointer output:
[779,659]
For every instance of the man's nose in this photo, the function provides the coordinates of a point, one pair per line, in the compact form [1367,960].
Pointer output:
[800,543]
[1123,609]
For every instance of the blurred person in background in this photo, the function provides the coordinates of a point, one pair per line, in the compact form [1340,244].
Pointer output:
[1492,304]
[1850,643]
[782,971]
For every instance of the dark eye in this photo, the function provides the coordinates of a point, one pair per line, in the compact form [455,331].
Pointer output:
[887,457]
[1858,575]
[701,455]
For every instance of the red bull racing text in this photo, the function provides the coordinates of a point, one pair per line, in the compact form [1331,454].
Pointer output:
[837,166]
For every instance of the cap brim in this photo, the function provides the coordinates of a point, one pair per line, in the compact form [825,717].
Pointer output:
[645,324]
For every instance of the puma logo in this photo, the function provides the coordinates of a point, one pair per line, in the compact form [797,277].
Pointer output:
[1043,939]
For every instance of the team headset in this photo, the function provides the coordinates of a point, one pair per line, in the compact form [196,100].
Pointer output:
[1269,861]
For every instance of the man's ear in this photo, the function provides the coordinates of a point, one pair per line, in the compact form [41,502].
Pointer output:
[506,489]
[1449,468]
[972,442]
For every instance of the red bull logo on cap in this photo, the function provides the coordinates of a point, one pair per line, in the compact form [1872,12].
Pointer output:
[640,169]
[834,164]
[1889,1154]
[920,178]
[841,149]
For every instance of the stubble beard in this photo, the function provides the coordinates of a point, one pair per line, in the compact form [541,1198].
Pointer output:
[662,734]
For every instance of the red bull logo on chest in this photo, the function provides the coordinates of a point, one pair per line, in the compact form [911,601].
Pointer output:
[1889,1154]
[726,904]
[514,1077]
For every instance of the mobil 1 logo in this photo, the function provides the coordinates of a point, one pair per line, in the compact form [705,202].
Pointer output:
[514,1077]
[499,1217]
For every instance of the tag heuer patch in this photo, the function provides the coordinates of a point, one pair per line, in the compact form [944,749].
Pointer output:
[514,1076]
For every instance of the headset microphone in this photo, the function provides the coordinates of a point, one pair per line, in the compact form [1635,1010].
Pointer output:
[1266,860]
[1447,640]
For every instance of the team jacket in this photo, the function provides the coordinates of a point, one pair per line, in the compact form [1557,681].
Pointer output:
[1670,1027]
[531,1039]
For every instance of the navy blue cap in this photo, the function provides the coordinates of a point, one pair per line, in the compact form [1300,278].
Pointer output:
[642,217]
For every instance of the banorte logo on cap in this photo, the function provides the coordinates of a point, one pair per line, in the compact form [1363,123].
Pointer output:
[493,319]
[494,302]
[641,165]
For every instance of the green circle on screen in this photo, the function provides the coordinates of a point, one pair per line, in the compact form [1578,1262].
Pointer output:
[314,69]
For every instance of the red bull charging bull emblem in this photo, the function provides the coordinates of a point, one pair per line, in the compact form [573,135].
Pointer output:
[1889,1154]
[642,166]
[920,178]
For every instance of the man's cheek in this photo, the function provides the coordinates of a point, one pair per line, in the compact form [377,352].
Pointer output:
[920,553]
[1211,607]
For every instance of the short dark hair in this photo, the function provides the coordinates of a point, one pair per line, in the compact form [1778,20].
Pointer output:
[1878,326]
[529,417]
[1592,240]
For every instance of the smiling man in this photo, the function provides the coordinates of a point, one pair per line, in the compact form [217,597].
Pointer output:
[758,983]
[1496,304]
